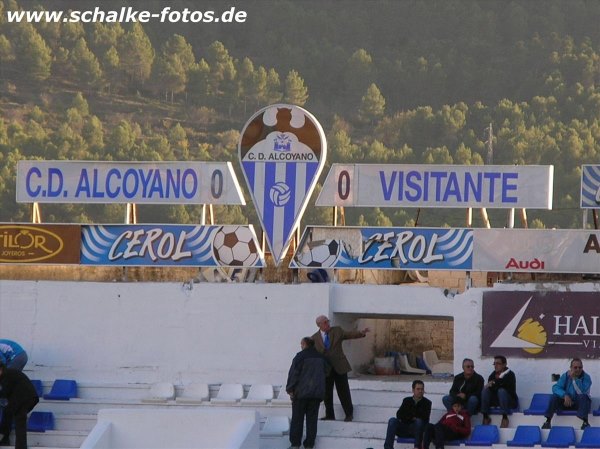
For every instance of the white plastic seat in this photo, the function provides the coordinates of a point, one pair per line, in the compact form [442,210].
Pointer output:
[275,426]
[259,394]
[194,394]
[229,394]
[436,365]
[159,393]
[282,398]
[406,368]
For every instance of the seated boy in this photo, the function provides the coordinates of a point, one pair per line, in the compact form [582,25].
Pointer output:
[454,425]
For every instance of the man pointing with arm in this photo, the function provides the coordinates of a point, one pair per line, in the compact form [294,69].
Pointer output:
[328,341]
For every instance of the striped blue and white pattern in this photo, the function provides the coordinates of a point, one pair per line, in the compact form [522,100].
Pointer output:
[590,186]
[279,222]
[457,246]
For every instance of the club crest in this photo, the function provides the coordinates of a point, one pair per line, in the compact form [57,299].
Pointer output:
[282,151]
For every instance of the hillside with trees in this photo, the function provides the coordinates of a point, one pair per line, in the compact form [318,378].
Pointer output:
[391,82]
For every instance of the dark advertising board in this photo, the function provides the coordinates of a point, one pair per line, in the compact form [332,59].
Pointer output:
[541,324]
[40,243]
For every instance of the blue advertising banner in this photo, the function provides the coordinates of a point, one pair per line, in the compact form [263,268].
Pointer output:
[590,186]
[171,245]
[386,248]
[282,152]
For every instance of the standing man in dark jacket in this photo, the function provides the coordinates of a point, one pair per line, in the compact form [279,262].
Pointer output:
[500,390]
[412,418]
[22,397]
[328,341]
[306,387]
[467,387]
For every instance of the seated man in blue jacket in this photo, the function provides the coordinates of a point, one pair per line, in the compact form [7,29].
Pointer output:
[572,391]
[12,355]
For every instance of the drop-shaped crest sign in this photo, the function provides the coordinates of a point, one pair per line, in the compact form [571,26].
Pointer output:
[282,151]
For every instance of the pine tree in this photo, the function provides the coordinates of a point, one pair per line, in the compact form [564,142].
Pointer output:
[6,54]
[173,65]
[136,54]
[358,72]
[372,105]
[81,105]
[34,57]
[105,36]
[273,88]
[221,67]
[295,90]
[259,87]
[198,82]
[169,75]
[110,64]
[85,64]
[246,79]
[178,46]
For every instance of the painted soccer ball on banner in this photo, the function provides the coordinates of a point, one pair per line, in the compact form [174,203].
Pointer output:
[320,253]
[234,246]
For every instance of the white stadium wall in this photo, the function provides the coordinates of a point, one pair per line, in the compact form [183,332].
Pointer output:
[248,333]
[149,332]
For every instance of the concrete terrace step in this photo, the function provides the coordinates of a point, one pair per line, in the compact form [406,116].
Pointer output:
[56,438]
[92,406]
[375,413]
[76,422]
[388,398]
[39,447]
[400,383]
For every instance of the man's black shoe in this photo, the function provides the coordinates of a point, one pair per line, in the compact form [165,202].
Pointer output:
[327,418]
[348,418]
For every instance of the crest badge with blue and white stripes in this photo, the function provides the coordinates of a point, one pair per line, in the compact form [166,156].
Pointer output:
[282,151]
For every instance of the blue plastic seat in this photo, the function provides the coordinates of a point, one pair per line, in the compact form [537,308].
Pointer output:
[62,390]
[590,438]
[484,435]
[526,436]
[40,422]
[37,384]
[539,404]
[560,436]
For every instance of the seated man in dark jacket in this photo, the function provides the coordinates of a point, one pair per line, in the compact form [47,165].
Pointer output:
[22,397]
[306,387]
[467,387]
[412,418]
[501,390]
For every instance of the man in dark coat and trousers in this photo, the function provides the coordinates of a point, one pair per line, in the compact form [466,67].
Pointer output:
[306,387]
[22,397]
